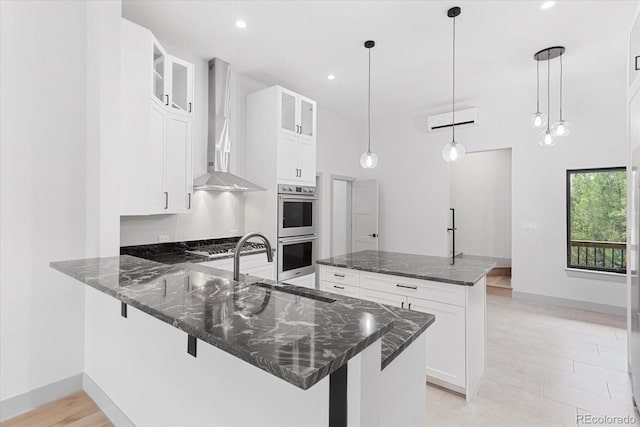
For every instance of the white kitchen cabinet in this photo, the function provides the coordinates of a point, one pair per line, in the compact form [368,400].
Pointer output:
[340,289]
[158,71]
[180,89]
[456,342]
[178,166]
[287,159]
[157,138]
[445,340]
[282,123]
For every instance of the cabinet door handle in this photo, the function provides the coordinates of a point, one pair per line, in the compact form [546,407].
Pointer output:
[338,287]
[189,107]
[406,286]
[167,100]
[189,200]
[338,275]
[409,306]
[402,304]
[166,200]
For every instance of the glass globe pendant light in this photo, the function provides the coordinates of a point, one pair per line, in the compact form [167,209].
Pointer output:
[546,137]
[453,151]
[369,160]
[561,127]
[538,120]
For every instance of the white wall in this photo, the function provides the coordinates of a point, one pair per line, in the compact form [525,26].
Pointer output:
[481,196]
[340,220]
[214,214]
[43,81]
[414,179]
[338,153]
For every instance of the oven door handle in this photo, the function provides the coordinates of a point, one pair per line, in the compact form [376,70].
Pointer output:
[297,239]
[304,198]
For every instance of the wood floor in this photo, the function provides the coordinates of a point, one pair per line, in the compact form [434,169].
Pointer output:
[76,410]
[546,366]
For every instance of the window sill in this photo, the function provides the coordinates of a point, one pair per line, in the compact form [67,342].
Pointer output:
[596,272]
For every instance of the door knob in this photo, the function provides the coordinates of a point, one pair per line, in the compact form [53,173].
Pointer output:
[374,235]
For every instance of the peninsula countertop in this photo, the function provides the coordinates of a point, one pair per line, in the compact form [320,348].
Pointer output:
[466,270]
[294,333]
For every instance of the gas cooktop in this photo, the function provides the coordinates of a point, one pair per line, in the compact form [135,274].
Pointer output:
[222,250]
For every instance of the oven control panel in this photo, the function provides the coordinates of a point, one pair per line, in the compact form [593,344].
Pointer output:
[296,189]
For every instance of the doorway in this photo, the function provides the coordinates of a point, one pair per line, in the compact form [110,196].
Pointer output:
[480,194]
[341,201]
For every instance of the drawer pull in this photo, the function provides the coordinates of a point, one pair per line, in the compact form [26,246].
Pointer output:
[338,275]
[338,287]
[402,304]
[409,306]
[406,286]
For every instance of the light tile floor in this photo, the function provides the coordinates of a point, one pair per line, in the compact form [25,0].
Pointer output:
[546,365]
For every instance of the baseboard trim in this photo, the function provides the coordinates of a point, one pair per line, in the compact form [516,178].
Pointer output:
[30,400]
[106,405]
[566,302]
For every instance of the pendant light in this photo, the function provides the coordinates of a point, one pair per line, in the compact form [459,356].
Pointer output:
[369,160]
[538,120]
[548,137]
[561,127]
[453,151]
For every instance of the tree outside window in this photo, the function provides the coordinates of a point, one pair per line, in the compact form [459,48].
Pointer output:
[597,219]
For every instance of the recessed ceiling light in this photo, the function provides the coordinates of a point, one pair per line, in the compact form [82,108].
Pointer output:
[331,77]
[547,5]
[241,24]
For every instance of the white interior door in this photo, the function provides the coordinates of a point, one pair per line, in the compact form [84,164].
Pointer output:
[364,223]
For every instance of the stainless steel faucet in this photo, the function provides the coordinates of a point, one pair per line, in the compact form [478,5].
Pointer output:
[236,255]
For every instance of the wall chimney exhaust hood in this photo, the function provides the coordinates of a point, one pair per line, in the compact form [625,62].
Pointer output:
[218,177]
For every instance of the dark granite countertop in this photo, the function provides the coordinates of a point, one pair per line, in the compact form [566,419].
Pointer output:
[300,335]
[176,252]
[466,271]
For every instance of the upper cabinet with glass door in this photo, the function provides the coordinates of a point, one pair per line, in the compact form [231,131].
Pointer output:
[180,90]
[159,74]
[297,114]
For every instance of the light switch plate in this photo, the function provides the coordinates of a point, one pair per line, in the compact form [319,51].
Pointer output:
[163,238]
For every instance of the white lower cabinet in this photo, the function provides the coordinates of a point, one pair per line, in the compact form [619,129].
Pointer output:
[445,340]
[456,342]
[384,297]
[340,288]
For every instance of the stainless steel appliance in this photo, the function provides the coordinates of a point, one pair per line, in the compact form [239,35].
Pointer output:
[296,210]
[296,256]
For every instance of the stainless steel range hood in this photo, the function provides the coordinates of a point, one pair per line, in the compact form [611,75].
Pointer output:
[218,177]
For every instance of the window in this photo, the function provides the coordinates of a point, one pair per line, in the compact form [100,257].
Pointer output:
[597,219]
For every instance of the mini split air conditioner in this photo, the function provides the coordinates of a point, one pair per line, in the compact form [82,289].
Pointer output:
[468,117]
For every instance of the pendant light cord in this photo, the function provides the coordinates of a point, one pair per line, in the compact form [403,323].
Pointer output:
[369,103]
[453,97]
[560,87]
[548,86]
[537,87]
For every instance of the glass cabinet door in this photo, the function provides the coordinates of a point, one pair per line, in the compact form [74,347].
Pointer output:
[288,112]
[307,117]
[159,74]
[181,87]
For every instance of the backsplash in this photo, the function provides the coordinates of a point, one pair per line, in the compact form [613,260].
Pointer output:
[214,215]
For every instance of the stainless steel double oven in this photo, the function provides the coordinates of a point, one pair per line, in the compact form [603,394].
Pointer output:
[297,237]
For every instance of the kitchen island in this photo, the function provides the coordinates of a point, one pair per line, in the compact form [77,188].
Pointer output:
[454,293]
[188,345]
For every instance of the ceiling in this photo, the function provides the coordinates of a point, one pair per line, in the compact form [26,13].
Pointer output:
[297,44]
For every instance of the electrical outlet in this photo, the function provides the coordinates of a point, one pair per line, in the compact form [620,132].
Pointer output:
[163,238]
